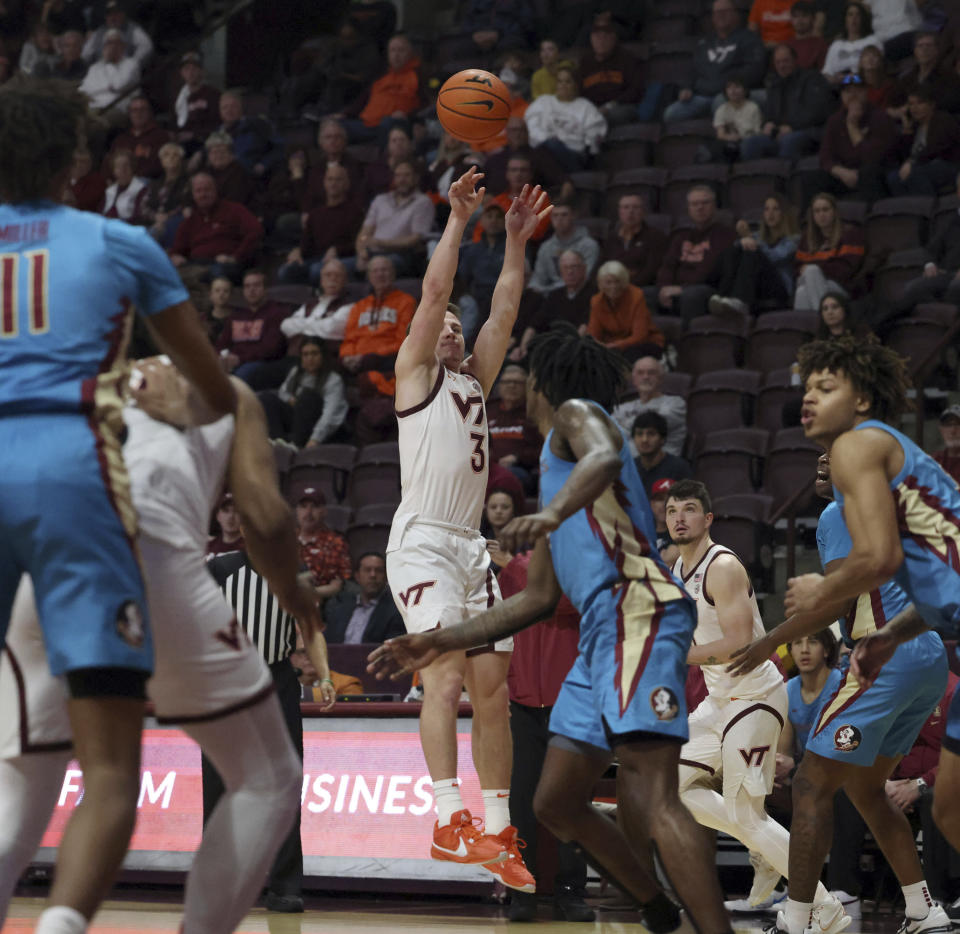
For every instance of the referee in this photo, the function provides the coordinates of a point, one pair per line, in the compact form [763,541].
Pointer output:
[274,633]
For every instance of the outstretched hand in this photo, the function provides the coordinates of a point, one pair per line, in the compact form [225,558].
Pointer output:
[529,208]
[751,656]
[402,655]
[525,530]
[464,200]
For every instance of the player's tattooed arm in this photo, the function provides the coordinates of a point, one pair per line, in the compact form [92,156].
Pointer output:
[872,652]
[414,651]
[583,433]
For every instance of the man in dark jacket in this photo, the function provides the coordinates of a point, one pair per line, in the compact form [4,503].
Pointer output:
[857,146]
[930,153]
[367,616]
[731,50]
[798,102]
[690,266]
[610,76]
[940,281]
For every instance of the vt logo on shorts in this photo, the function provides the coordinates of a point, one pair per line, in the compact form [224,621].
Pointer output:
[847,738]
[664,703]
[415,593]
[130,624]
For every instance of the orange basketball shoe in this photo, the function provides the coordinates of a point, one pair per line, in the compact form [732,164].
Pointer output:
[463,841]
[511,871]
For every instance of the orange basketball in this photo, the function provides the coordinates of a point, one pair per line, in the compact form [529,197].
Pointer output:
[473,105]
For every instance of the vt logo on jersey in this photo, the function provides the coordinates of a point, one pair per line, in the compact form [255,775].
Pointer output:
[415,593]
[847,738]
[465,406]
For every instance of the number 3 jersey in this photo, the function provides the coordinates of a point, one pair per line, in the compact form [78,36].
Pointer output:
[444,454]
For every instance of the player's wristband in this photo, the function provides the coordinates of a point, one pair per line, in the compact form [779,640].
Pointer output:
[326,681]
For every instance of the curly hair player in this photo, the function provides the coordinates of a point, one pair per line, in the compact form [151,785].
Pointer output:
[624,696]
[901,521]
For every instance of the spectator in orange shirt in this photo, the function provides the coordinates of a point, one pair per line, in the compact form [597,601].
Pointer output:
[322,551]
[375,330]
[772,19]
[619,316]
[393,97]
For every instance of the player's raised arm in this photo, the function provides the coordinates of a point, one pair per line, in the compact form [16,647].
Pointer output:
[525,214]
[177,332]
[418,351]
[585,434]
[268,527]
[537,601]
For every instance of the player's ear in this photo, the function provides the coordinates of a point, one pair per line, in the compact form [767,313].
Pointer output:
[709,518]
[863,404]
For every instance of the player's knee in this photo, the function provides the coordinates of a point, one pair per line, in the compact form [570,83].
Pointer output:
[745,811]
[443,688]
[553,810]
[491,699]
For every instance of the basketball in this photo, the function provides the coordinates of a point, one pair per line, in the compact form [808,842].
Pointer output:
[473,105]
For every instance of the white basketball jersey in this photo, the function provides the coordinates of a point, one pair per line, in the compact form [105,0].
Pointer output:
[444,451]
[176,477]
[760,681]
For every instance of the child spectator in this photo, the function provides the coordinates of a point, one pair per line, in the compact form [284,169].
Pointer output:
[736,119]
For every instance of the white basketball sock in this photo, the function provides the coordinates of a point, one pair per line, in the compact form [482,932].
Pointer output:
[60,919]
[446,796]
[918,899]
[797,915]
[262,775]
[496,807]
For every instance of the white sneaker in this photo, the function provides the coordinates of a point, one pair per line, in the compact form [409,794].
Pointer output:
[851,903]
[936,920]
[743,906]
[829,918]
[765,879]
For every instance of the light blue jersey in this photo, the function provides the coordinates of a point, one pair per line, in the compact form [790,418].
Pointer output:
[873,610]
[928,512]
[855,724]
[636,618]
[69,282]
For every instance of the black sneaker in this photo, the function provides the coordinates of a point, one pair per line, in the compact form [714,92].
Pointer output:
[288,904]
[568,905]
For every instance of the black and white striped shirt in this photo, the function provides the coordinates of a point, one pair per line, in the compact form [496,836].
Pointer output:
[270,629]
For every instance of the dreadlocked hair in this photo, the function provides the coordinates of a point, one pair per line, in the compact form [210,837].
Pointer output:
[40,127]
[565,366]
[873,370]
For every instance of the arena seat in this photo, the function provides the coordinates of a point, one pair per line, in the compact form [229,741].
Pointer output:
[375,477]
[791,465]
[680,142]
[731,461]
[326,467]
[628,147]
[722,399]
[898,223]
[777,391]
[750,183]
[711,343]
[777,336]
[338,517]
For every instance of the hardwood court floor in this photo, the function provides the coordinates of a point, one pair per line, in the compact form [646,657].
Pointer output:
[359,915]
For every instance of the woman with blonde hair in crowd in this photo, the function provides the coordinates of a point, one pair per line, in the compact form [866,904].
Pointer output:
[829,256]
[759,265]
